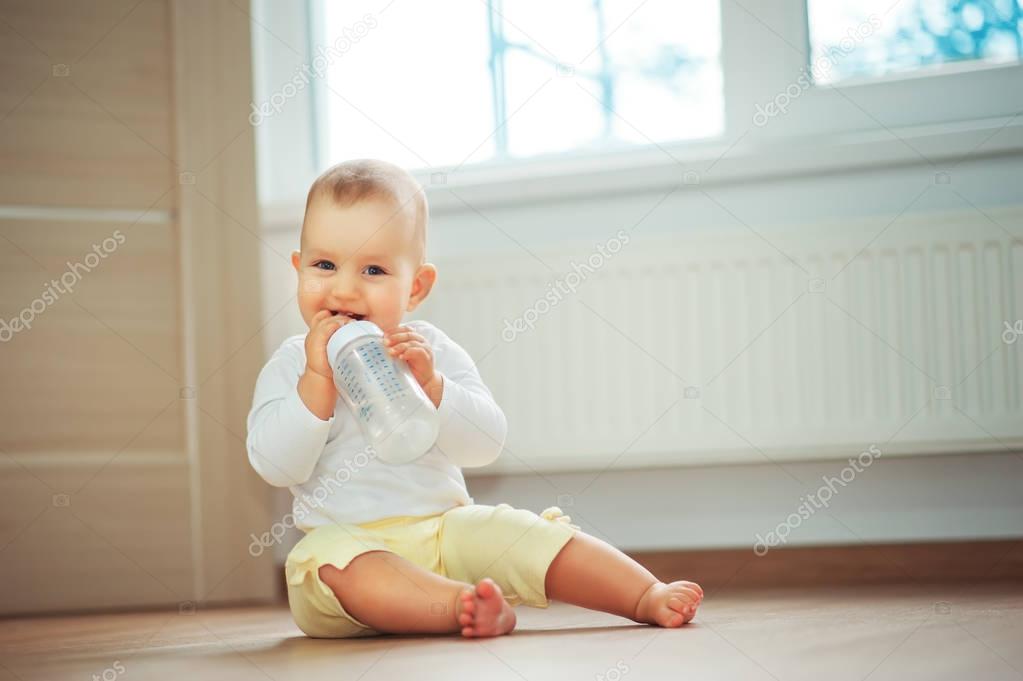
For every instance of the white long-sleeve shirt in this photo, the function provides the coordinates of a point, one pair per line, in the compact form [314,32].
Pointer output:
[328,465]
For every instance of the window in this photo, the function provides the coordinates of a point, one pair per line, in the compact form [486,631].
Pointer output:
[425,88]
[870,38]
[517,95]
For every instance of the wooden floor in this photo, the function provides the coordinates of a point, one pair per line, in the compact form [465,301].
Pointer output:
[877,632]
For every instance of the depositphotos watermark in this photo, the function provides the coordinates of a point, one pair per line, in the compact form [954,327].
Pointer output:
[110,673]
[559,288]
[325,57]
[1012,332]
[328,484]
[816,501]
[57,287]
[614,673]
[819,68]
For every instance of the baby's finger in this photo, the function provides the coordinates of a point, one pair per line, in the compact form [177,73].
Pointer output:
[327,327]
[398,330]
[415,355]
[319,316]
[401,336]
[326,322]
[400,348]
[396,350]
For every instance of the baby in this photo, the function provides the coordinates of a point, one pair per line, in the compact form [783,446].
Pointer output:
[403,548]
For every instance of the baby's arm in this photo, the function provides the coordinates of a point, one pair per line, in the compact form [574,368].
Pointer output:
[290,420]
[473,427]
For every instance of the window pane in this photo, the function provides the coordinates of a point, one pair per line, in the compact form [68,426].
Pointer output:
[654,77]
[851,38]
[414,89]
[546,113]
[484,81]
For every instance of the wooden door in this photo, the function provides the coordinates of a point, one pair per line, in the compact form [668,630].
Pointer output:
[130,328]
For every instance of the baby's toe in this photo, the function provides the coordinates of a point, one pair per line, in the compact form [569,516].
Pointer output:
[678,605]
[670,616]
[684,609]
[486,588]
[686,594]
[692,586]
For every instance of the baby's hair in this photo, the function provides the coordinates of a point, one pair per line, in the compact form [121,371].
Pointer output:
[352,181]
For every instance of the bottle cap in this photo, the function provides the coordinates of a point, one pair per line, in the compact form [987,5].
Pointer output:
[350,332]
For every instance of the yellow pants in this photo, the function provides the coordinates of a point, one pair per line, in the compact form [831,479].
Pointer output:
[514,547]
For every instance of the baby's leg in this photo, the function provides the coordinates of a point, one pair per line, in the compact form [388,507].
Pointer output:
[393,595]
[593,574]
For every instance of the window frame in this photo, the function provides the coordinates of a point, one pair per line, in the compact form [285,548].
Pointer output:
[848,125]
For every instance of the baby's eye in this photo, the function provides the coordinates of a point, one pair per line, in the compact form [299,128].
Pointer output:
[374,270]
[327,265]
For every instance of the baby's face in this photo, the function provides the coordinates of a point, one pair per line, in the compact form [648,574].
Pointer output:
[359,260]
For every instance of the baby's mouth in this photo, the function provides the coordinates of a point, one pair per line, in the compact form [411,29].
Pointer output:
[350,315]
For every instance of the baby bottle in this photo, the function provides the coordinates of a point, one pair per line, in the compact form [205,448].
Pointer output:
[397,418]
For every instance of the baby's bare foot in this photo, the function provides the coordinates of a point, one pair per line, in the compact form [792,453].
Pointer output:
[669,605]
[484,612]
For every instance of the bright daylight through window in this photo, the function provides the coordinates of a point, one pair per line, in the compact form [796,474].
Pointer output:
[656,77]
[871,38]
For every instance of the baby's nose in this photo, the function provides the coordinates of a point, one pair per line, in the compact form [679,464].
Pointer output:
[344,282]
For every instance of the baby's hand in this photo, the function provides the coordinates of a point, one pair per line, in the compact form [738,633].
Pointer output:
[406,344]
[321,327]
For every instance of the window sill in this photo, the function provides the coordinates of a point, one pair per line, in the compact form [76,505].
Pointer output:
[706,164]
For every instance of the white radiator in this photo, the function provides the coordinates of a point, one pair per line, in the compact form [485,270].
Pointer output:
[702,348]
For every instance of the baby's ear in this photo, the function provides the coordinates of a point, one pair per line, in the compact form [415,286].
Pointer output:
[296,260]
[422,284]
